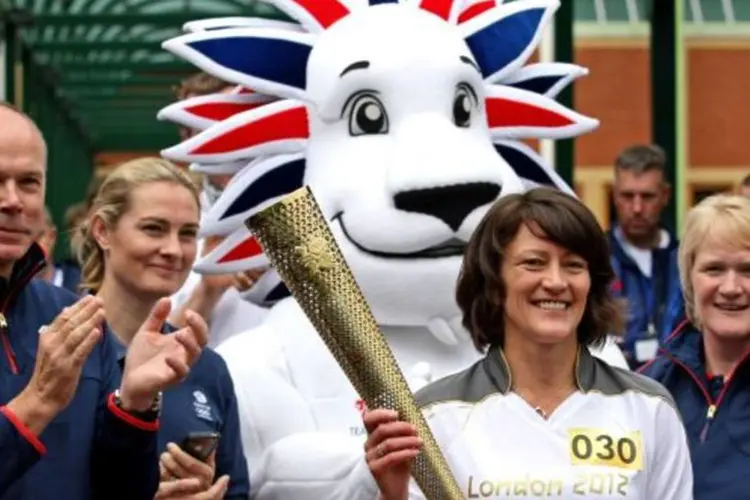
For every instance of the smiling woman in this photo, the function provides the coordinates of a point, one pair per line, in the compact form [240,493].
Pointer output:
[706,363]
[534,292]
[137,247]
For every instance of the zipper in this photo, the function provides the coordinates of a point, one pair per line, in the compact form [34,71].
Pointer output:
[709,418]
[713,406]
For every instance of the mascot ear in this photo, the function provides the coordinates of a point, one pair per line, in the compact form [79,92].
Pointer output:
[315,15]
[203,111]
[278,127]
[238,22]
[260,185]
[238,252]
[547,79]
[503,38]
[530,166]
[515,113]
[266,60]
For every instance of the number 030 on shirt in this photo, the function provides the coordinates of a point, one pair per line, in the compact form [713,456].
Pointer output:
[602,447]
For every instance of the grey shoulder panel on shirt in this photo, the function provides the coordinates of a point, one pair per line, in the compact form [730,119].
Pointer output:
[470,386]
[612,381]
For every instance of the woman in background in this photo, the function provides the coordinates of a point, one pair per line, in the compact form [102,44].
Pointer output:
[704,364]
[136,249]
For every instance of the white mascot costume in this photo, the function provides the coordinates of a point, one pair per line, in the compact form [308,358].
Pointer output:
[404,118]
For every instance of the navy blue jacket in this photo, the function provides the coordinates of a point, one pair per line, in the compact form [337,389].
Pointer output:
[716,414]
[89,451]
[655,301]
[206,401]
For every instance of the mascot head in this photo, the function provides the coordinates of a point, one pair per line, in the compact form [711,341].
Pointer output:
[403,117]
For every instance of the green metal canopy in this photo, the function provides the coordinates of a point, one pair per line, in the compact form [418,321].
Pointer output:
[102,61]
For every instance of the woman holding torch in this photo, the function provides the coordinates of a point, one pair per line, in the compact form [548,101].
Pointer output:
[539,415]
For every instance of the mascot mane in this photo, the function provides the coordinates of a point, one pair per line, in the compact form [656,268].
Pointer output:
[260,130]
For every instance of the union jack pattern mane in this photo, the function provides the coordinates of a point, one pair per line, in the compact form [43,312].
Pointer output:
[260,130]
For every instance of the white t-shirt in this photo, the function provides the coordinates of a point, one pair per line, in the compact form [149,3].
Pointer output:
[643,257]
[618,437]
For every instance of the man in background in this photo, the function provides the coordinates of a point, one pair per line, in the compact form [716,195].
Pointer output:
[215,297]
[644,253]
[66,273]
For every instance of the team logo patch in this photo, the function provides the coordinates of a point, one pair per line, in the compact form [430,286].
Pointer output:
[603,447]
[201,406]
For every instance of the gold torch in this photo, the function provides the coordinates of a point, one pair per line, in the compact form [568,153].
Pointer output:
[296,237]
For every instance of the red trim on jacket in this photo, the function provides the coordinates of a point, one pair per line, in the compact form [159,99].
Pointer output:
[23,430]
[130,419]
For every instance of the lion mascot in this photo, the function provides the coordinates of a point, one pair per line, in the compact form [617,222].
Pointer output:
[404,118]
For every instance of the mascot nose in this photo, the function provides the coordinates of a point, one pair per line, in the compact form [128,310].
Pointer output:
[451,204]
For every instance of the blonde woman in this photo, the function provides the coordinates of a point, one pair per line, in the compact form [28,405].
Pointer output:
[136,249]
[704,364]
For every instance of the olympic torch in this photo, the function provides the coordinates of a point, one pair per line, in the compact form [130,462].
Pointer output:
[296,237]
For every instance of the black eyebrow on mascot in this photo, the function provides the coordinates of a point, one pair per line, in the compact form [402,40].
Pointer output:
[405,118]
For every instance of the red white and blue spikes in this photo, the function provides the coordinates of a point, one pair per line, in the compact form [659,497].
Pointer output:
[475,7]
[260,185]
[276,128]
[239,22]
[268,61]
[519,114]
[268,290]
[314,15]
[238,252]
[530,166]
[203,111]
[548,79]
[503,38]
[448,10]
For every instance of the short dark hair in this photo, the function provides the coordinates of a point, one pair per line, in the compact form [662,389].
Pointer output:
[745,181]
[558,218]
[642,158]
[199,84]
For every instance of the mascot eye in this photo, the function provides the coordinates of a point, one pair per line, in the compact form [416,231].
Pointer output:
[367,116]
[463,104]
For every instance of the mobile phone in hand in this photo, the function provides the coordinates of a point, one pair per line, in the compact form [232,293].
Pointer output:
[200,445]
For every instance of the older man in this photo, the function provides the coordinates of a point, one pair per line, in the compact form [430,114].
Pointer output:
[66,429]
